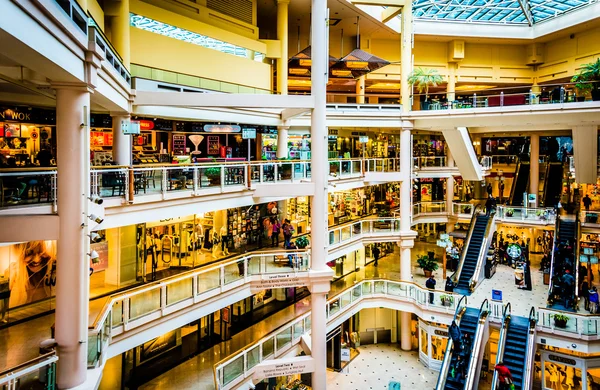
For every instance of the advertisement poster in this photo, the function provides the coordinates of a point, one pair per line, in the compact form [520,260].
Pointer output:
[30,269]
[425,192]
[102,249]
[213,145]
[159,345]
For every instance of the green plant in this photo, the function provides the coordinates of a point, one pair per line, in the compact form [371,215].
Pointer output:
[212,172]
[302,242]
[560,317]
[447,300]
[581,85]
[510,212]
[427,263]
[424,78]
[588,79]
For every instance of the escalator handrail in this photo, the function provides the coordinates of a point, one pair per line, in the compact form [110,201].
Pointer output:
[556,227]
[530,352]
[445,367]
[545,190]
[456,275]
[477,342]
[576,247]
[506,314]
[514,183]
[481,258]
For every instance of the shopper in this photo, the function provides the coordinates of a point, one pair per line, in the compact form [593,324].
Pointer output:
[288,232]
[449,285]
[455,334]
[568,282]
[489,190]
[465,346]
[584,292]
[376,253]
[505,378]
[430,284]
[593,300]
[459,370]
[587,202]
[489,205]
[275,231]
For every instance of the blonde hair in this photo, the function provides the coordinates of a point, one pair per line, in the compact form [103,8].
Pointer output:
[21,288]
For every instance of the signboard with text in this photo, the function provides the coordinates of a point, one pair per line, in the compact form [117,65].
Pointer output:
[284,367]
[279,281]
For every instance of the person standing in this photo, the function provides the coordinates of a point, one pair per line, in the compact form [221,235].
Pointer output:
[489,190]
[376,253]
[505,378]
[568,281]
[587,202]
[501,190]
[455,334]
[593,300]
[430,284]
[489,204]
[288,232]
[584,292]
[449,285]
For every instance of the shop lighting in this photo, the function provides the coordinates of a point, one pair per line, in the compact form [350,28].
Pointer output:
[95,218]
[96,199]
[222,128]
[341,73]
[306,62]
[299,71]
[94,256]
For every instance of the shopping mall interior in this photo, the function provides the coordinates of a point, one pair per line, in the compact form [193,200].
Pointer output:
[160,215]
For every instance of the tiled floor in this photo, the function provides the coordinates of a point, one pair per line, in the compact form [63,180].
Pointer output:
[378,364]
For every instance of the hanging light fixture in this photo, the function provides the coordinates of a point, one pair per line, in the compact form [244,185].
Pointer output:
[299,64]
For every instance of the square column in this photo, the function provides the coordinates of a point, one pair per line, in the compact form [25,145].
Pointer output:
[72,270]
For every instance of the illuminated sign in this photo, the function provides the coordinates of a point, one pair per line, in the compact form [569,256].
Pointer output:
[222,128]
[146,124]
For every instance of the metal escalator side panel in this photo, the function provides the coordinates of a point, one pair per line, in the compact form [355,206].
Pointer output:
[445,368]
[514,183]
[500,353]
[456,276]
[529,357]
[485,244]
[482,335]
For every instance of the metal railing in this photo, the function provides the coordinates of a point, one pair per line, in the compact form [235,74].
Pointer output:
[506,313]
[542,215]
[426,162]
[371,227]
[23,186]
[136,307]
[456,275]
[230,371]
[445,367]
[111,56]
[426,208]
[31,374]
[481,257]
[589,217]
[472,378]
[577,324]
[530,353]
[486,163]
[504,159]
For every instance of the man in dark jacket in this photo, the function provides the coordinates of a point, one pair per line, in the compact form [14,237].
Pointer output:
[449,285]
[455,334]
[430,284]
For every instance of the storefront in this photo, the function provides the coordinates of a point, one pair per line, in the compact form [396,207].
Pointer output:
[429,190]
[433,339]
[428,145]
[379,199]
[298,145]
[24,132]
[559,369]
[536,239]
[343,143]
[298,212]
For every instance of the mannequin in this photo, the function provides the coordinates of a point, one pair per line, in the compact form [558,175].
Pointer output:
[215,244]
[224,240]
[200,234]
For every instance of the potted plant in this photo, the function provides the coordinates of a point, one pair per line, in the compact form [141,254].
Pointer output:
[589,74]
[591,217]
[423,78]
[510,212]
[333,168]
[428,264]
[468,210]
[213,174]
[542,215]
[302,242]
[447,300]
[560,320]
[581,86]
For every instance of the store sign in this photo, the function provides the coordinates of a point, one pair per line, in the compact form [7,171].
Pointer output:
[279,281]
[442,333]
[363,139]
[561,359]
[497,295]
[332,132]
[248,133]
[222,128]
[359,133]
[284,367]
[14,115]
[130,127]
[345,354]
[158,346]
[146,124]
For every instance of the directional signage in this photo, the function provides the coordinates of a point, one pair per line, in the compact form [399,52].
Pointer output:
[284,367]
[283,280]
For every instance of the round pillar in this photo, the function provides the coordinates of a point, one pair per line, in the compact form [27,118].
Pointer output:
[282,141]
[405,331]
[534,161]
[121,150]
[72,271]
[360,90]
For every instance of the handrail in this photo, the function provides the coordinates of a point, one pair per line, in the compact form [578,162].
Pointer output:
[28,170]
[30,362]
[577,248]
[513,186]
[456,275]
[506,314]
[472,373]
[481,257]
[21,374]
[445,367]
[530,354]
[554,241]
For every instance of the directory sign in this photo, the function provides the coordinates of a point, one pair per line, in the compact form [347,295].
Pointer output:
[284,367]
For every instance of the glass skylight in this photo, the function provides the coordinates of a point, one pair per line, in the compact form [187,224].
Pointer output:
[167,30]
[494,11]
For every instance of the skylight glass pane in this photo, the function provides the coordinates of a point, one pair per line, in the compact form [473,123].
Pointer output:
[180,34]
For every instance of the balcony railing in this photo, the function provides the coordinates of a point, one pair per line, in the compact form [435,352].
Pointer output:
[426,208]
[75,13]
[230,371]
[589,217]
[545,216]
[31,374]
[110,54]
[426,162]
[23,186]
[354,231]
[580,324]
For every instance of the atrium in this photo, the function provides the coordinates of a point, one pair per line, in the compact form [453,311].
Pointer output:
[162,227]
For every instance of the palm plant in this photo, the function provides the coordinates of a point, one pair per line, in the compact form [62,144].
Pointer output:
[588,78]
[423,78]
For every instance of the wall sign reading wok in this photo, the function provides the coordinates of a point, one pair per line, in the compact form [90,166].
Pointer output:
[222,128]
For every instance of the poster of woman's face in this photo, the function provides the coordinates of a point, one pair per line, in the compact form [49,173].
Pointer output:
[29,268]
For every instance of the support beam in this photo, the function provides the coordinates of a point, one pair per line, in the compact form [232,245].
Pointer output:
[389,13]
[290,113]
[231,100]
[406,56]
[282,36]
[526,11]
[459,143]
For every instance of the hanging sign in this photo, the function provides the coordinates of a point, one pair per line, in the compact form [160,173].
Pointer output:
[248,133]
[284,367]
[279,281]
[146,124]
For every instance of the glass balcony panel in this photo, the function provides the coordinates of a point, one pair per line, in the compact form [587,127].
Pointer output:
[208,280]
[179,291]
[234,271]
[144,303]
[233,369]
[268,347]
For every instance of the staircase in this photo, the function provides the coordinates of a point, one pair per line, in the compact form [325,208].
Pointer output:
[514,349]
[520,184]
[472,256]
[553,184]
[468,325]
[566,231]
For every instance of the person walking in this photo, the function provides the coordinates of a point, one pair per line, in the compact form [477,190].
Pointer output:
[276,228]
[489,204]
[505,378]
[449,285]
[455,334]
[430,284]
[489,190]
[584,292]
[568,281]
[593,300]
[288,232]
[587,202]
[376,253]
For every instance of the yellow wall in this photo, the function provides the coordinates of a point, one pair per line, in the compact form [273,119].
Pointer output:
[157,51]
[97,13]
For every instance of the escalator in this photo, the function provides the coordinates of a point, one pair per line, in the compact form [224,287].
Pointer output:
[565,233]
[516,348]
[474,323]
[553,184]
[520,183]
[473,253]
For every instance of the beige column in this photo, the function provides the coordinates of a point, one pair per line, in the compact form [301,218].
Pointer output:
[72,270]
[282,35]
[406,55]
[534,161]
[282,141]
[451,86]
[360,90]
[535,91]
[121,149]
[120,25]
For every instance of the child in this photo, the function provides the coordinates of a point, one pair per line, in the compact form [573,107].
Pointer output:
[593,299]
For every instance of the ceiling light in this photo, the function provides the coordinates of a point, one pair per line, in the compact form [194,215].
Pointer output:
[299,71]
[306,62]
[341,73]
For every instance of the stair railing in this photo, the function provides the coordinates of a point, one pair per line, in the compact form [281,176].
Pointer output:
[461,308]
[514,182]
[553,250]
[530,353]
[473,372]
[506,313]
[456,275]
[481,257]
